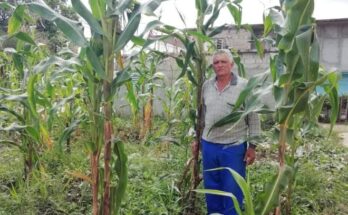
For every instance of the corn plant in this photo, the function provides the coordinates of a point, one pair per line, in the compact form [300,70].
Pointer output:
[295,75]
[145,80]
[22,103]
[193,64]
[112,24]
[28,101]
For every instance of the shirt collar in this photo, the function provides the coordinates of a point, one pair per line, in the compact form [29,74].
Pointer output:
[234,79]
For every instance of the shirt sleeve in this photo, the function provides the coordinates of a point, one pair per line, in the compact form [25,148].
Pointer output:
[254,127]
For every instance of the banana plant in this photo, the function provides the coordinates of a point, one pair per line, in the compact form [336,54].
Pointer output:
[295,74]
[112,25]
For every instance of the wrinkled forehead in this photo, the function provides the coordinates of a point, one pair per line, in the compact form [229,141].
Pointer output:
[221,56]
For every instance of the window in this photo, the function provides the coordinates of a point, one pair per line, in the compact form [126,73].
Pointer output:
[221,43]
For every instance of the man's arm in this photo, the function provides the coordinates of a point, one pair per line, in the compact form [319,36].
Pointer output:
[254,124]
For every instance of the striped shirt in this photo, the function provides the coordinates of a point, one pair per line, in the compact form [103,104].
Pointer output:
[218,105]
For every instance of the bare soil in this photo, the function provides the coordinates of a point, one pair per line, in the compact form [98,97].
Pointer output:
[342,132]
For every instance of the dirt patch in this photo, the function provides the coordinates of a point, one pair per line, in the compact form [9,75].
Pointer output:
[341,130]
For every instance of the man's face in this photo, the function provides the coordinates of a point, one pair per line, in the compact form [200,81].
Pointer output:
[222,65]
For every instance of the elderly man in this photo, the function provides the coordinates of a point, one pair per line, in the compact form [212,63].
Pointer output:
[223,146]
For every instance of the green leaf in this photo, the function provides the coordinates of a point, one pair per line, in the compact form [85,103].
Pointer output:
[216,31]
[333,98]
[251,85]
[13,112]
[250,97]
[315,107]
[191,77]
[45,64]
[259,46]
[189,53]
[269,198]
[95,62]
[298,13]
[24,37]
[222,193]
[139,41]
[314,60]
[303,42]
[216,11]
[16,20]
[237,60]
[204,5]
[67,132]
[283,113]
[236,12]
[18,62]
[131,97]
[128,32]
[87,15]
[267,25]
[201,36]
[67,26]
[231,118]
[121,169]
[121,78]
[151,25]
[35,134]
[291,62]
[277,19]
[98,8]
[31,94]
[249,208]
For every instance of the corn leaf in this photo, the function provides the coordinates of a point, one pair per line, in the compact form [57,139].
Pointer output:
[236,12]
[24,37]
[16,20]
[249,208]
[81,9]
[222,193]
[95,62]
[269,198]
[121,170]
[67,26]
[12,112]
[128,32]
[67,132]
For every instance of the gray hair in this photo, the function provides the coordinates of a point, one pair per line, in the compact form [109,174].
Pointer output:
[224,52]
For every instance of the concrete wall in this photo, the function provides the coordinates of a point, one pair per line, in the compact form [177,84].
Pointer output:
[333,37]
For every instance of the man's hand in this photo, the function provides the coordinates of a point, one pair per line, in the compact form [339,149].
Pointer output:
[194,147]
[250,156]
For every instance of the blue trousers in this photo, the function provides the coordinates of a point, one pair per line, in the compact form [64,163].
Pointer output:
[220,155]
